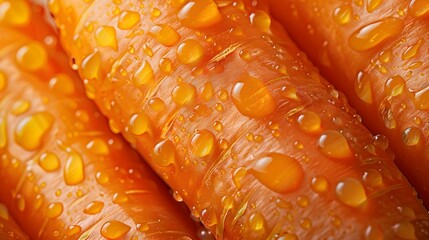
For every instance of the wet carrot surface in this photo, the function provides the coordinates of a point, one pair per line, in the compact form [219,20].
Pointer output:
[63,174]
[376,52]
[8,227]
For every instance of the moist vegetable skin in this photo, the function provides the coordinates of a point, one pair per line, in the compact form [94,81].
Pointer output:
[63,174]
[237,121]
[8,227]
[376,52]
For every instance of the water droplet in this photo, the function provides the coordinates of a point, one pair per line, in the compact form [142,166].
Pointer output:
[183,93]
[139,124]
[351,192]
[128,20]
[91,66]
[199,14]
[54,210]
[49,162]
[343,14]
[411,136]
[15,13]
[209,218]
[143,75]
[73,230]
[3,81]
[190,52]
[165,65]
[387,115]
[31,130]
[62,83]
[38,201]
[120,197]
[202,143]
[98,146]
[114,229]
[252,98]
[372,5]
[164,153]
[373,232]
[394,86]
[334,144]
[374,34]
[4,212]
[156,104]
[102,178]
[3,133]
[164,34]
[412,50]
[309,122]
[261,20]
[20,202]
[74,169]
[362,87]
[319,184]
[105,36]
[257,222]
[418,8]
[20,107]
[93,207]
[32,56]
[404,230]
[421,99]
[373,178]
[278,172]
[302,201]
[305,223]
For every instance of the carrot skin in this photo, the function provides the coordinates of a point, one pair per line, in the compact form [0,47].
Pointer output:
[391,72]
[63,174]
[237,120]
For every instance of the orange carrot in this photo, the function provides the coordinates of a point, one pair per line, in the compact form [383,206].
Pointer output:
[237,121]
[8,227]
[376,53]
[63,174]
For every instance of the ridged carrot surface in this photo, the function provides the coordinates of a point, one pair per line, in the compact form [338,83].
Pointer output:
[376,52]
[63,174]
[237,121]
[8,227]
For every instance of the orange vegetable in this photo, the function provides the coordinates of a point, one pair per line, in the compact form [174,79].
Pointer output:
[8,227]
[236,120]
[376,53]
[63,174]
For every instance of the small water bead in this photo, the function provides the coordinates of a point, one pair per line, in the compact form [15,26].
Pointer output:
[93,207]
[128,20]
[165,65]
[156,104]
[32,56]
[257,222]
[404,230]
[343,14]
[302,201]
[91,66]
[62,83]
[394,86]
[3,81]
[418,8]
[413,50]
[372,5]
[207,91]
[144,75]
[363,88]
[49,162]
[4,212]
[407,212]
[278,172]
[20,107]
[183,93]
[373,232]
[309,122]
[38,202]
[261,20]
[155,13]
[252,98]
[199,14]
[20,202]
[73,230]
[120,197]
[142,227]
[114,229]
[421,99]
[164,153]
[164,34]
[15,12]
[374,34]
[289,92]
[202,143]
[74,169]
[54,210]
[98,146]
[32,129]
[333,144]
[351,192]
[102,178]
[208,217]
[319,184]
[139,124]
[305,223]
[190,52]
[373,178]
[105,36]
[411,136]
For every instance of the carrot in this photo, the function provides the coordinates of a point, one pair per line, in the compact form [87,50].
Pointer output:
[8,227]
[376,53]
[237,121]
[63,174]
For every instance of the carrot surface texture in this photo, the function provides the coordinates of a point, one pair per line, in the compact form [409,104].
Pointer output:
[63,174]
[376,52]
[237,121]
[8,227]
